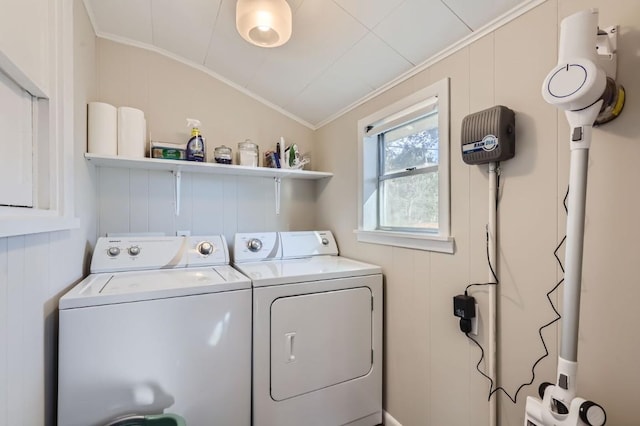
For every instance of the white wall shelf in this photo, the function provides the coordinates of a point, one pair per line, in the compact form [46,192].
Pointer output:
[177,167]
[207,168]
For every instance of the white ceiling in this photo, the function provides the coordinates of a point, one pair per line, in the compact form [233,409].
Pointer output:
[340,51]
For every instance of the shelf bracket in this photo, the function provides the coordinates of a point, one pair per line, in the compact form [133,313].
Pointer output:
[278,181]
[177,175]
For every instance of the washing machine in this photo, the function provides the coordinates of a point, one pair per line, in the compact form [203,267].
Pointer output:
[317,331]
[161,325]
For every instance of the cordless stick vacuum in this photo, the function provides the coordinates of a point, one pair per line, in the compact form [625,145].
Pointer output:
[583,85]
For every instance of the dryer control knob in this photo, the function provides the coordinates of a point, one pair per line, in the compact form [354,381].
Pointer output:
[205,248]
[254,245]
[134,250]
[325,241]
[113,251]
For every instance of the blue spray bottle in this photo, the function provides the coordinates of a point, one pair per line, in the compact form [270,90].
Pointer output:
[195,146]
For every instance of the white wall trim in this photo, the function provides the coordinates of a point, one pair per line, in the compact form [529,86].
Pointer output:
[407,240]
[26,225]
[15,73]
[389,420]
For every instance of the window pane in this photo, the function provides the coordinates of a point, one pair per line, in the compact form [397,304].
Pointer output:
[414,144]
[410,202]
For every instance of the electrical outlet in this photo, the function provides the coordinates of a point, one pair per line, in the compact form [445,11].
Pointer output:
[474,322]
[184,233]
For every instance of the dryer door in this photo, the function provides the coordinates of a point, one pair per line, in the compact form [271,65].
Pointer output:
[319,340]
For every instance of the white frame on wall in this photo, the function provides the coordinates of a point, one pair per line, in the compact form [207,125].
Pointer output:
[53,176]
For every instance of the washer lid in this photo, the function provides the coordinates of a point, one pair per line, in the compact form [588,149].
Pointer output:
[122,287]
[314,268]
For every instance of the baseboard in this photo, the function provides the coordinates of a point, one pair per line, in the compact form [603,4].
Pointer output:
[390,421]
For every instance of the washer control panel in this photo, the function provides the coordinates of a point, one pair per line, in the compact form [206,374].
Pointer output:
[132,253]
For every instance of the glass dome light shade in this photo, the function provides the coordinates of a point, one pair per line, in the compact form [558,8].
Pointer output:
[265,23]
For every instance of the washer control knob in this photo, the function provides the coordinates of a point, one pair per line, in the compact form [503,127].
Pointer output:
[325,241]
[254,245]
[205,248]
[134,250]
[113,251]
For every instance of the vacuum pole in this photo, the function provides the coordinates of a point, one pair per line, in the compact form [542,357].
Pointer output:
[574,253]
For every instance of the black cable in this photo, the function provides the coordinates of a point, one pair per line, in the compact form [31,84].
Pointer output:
[492,391]
[495,277]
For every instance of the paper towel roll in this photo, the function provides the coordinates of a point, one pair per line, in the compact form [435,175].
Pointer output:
[132,129]
[102,129]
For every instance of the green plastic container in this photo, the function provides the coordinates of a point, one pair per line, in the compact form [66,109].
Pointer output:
[151,420]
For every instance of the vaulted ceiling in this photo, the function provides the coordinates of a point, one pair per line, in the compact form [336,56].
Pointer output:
[340,51]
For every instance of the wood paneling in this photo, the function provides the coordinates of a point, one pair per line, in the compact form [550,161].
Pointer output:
[26,283]
[139,201]
[507,67]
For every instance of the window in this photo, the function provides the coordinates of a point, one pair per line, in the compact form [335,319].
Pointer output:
[404,173]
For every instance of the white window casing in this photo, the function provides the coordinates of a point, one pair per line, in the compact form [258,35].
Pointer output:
[411,107]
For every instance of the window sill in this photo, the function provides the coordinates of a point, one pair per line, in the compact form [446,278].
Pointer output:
[407,240]
[11,226]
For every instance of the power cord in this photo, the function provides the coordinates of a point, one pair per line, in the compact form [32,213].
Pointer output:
[492,391]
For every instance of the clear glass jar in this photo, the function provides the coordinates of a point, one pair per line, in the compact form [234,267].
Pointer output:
[222,155]
[248,154]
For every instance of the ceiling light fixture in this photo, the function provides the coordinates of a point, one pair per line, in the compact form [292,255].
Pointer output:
[265,23]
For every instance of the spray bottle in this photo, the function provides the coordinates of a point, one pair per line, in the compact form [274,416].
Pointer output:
[195,146]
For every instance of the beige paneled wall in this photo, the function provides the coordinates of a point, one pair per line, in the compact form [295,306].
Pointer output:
[168,92]
[30,51]
[430,376]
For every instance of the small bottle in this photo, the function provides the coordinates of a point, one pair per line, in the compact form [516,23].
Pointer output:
[195,147]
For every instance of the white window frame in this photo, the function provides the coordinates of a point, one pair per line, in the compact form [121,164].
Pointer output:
[53,133]
[368,160]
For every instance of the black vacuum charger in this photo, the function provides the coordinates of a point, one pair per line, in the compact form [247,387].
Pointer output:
[464,307]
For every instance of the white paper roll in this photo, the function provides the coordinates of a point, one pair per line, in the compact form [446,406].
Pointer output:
[102,129]
[132,129]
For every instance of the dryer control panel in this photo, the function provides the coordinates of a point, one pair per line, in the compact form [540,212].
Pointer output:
[259,246]
[304,244]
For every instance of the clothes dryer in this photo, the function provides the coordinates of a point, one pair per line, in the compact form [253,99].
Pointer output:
[161,325]
[317,331]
